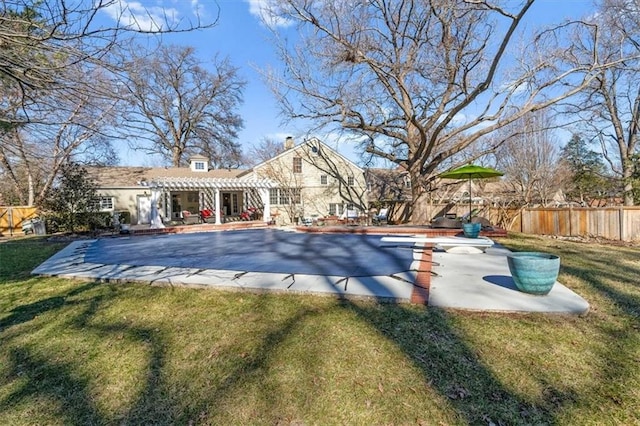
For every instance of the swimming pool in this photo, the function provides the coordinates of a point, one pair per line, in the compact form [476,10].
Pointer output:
[257,250]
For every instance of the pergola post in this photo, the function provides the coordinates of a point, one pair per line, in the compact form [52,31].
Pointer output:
[266,202]
[216,203]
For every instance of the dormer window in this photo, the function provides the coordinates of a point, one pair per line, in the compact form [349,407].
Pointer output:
[199,163]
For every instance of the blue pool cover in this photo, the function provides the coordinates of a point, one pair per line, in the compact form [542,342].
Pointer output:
[257,250]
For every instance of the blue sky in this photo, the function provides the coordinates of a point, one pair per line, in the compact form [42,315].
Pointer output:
[240,35]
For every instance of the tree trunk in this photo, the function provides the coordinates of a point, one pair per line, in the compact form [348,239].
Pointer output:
[420,213]
[176,157]
[627,181]
[31,191]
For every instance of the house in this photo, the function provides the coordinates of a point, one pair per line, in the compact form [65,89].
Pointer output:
[305,181]
[312,180]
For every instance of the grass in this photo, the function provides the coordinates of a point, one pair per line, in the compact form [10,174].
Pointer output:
[88,353]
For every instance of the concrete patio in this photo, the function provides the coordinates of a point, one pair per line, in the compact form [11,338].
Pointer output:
[478,281]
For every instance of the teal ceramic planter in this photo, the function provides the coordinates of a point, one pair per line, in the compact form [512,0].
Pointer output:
[534,272]
[471,230]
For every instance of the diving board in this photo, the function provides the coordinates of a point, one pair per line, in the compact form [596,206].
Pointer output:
[449,244]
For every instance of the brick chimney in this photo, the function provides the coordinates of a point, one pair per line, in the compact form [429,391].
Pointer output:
[288,143]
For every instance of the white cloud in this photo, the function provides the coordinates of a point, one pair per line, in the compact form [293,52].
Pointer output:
[264,11]
[278,137]
[136,16]
[198,9]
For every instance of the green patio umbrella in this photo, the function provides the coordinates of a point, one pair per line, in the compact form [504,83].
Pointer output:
[471,171]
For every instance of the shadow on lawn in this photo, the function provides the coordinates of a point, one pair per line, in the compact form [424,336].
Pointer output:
[41,374]
[453,368]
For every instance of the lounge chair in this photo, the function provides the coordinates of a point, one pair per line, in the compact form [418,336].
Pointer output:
[349,217]
[446,222]
[381,217]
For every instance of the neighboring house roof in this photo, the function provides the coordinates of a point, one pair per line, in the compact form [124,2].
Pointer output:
[120,176]
[388,184]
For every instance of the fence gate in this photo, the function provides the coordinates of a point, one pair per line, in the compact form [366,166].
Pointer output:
[13,217]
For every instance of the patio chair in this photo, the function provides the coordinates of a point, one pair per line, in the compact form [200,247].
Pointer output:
[189,218]
[352,217]
[381,217]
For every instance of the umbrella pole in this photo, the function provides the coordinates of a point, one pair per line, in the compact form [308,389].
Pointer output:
[470,200]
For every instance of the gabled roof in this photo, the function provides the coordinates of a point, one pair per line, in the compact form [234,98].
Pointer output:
[309,143]
[121,176]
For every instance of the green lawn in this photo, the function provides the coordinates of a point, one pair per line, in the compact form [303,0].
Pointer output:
[87,353]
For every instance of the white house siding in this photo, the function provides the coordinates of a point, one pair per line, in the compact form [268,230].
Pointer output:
[315,197]
[126,200]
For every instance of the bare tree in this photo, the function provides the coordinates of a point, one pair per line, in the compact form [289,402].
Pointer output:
[56,66]
[59,130]
[265,150]
[40,40]
[530,160]
[420,81]
[181,108]
[609,108]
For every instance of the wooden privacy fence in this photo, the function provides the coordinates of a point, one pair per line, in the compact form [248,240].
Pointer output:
[12,218]
[614,223]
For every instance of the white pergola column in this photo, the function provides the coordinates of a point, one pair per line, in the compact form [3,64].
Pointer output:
[156,220]
[216,203]
[266,214]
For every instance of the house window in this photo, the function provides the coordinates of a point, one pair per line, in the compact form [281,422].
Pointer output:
[407,182]
[335,209]
[273,196]
[351,181]
[297,165]
[104,203]
[295,195]
[199,165]
[324,180]
[284,196]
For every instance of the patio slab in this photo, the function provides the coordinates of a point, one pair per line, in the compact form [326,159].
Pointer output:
[482,282]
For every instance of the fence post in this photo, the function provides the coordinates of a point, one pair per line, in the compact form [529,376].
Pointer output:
[10,220]
[621,220]
[570,220]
